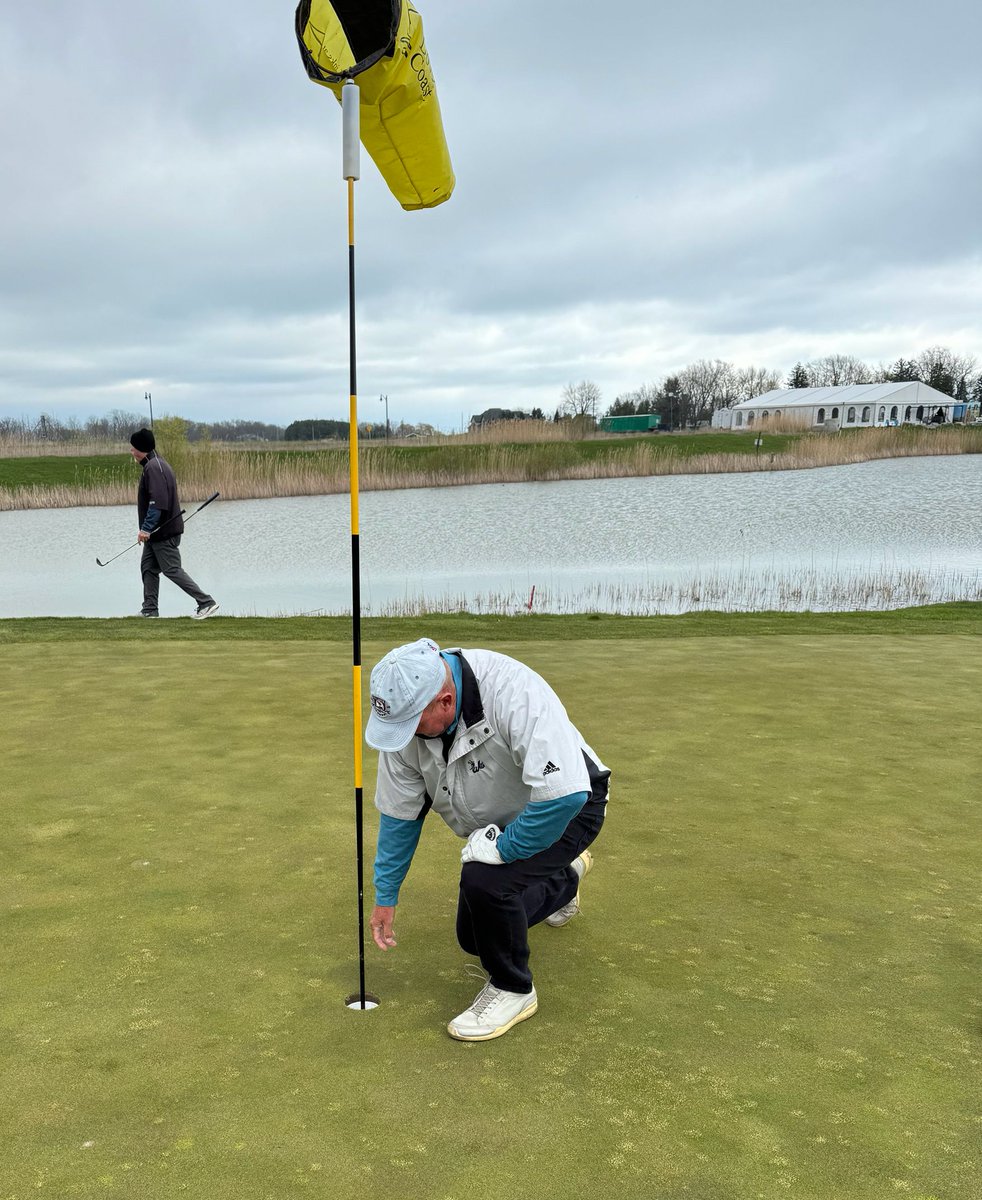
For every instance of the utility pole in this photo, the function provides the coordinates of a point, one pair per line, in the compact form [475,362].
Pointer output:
[385,400]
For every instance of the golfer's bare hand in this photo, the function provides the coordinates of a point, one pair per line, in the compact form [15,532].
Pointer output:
[142,537]
[380,924]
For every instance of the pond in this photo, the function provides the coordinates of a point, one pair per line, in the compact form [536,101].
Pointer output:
[875,535]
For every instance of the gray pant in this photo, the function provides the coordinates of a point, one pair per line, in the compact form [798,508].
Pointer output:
[164,558]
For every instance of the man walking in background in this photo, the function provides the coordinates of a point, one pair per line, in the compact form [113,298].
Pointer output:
[485,742]
[161,525]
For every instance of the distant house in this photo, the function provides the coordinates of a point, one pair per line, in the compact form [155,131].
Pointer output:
[854,406]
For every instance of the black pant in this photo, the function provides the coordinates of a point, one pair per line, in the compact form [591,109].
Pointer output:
[164,557]
[498,905]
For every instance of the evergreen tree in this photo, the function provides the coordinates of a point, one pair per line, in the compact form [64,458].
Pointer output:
[799,377]
[942,379]
[904,370]
[672,404]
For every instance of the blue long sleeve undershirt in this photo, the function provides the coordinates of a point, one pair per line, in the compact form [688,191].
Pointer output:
[397,842]
[151,520]
[541,824]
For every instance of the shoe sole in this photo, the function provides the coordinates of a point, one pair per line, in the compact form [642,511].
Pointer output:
[524,1015]
[205,616]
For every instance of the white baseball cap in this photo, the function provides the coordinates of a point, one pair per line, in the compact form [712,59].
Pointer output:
[402,685]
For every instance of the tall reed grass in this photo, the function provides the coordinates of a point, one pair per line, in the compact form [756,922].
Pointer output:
[797,590]
[260,474]
[22,447]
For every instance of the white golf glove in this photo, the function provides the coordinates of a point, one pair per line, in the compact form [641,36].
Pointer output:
[482,846]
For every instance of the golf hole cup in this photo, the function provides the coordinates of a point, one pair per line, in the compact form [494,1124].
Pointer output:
[355,1002]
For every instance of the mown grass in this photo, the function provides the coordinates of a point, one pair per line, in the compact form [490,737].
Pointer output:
[89,471]
[469,628]
[772,990]
[243,473]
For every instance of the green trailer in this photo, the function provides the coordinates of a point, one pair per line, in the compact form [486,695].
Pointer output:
[635,423]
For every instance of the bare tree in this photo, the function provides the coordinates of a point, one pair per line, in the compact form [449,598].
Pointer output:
[838,370]
[944,370]
[580,399]
[755,381]
[709,386]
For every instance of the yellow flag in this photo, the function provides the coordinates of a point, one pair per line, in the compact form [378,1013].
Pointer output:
[379,43]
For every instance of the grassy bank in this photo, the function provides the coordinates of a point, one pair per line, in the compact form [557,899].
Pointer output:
[771,992]
[58,481]
[465,629]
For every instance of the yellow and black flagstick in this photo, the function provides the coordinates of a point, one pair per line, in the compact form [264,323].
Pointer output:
[350,160]
[381,43]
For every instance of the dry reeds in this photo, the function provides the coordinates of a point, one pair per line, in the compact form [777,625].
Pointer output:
[21,447]
[801,590]
[64,496]
[248,474]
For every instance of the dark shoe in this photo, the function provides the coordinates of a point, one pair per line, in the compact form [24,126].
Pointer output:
[149,614]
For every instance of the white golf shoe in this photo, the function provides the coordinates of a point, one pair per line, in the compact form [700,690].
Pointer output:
[492,1014]
[562,916]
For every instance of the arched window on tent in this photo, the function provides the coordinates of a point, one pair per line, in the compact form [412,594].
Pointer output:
[750,418]
[835,414]
[777,413]
[883,413]
[763,415]
[893,412]
[866,412]
[739,419]
[907,413]
[920,412]
[851,417]
[820,419]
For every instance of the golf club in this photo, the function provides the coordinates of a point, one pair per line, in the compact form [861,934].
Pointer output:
[167,522]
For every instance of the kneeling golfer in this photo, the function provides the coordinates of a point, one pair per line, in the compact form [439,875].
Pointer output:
[486,743]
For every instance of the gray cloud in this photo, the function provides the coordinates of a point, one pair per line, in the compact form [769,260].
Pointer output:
[637,188]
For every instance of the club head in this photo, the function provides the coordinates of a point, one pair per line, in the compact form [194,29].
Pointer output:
[101,564]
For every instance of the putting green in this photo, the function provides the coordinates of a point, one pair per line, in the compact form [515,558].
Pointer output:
[773,990]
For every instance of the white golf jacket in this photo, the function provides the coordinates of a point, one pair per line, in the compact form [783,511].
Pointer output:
[514,744]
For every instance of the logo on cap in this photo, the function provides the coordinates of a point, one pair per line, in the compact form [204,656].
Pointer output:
[382,707]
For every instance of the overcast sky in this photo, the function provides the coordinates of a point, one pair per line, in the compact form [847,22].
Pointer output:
[639,186]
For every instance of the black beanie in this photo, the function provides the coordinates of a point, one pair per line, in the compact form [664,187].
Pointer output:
[143,441]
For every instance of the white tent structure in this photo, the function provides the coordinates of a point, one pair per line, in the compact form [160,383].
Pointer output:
[854,406]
